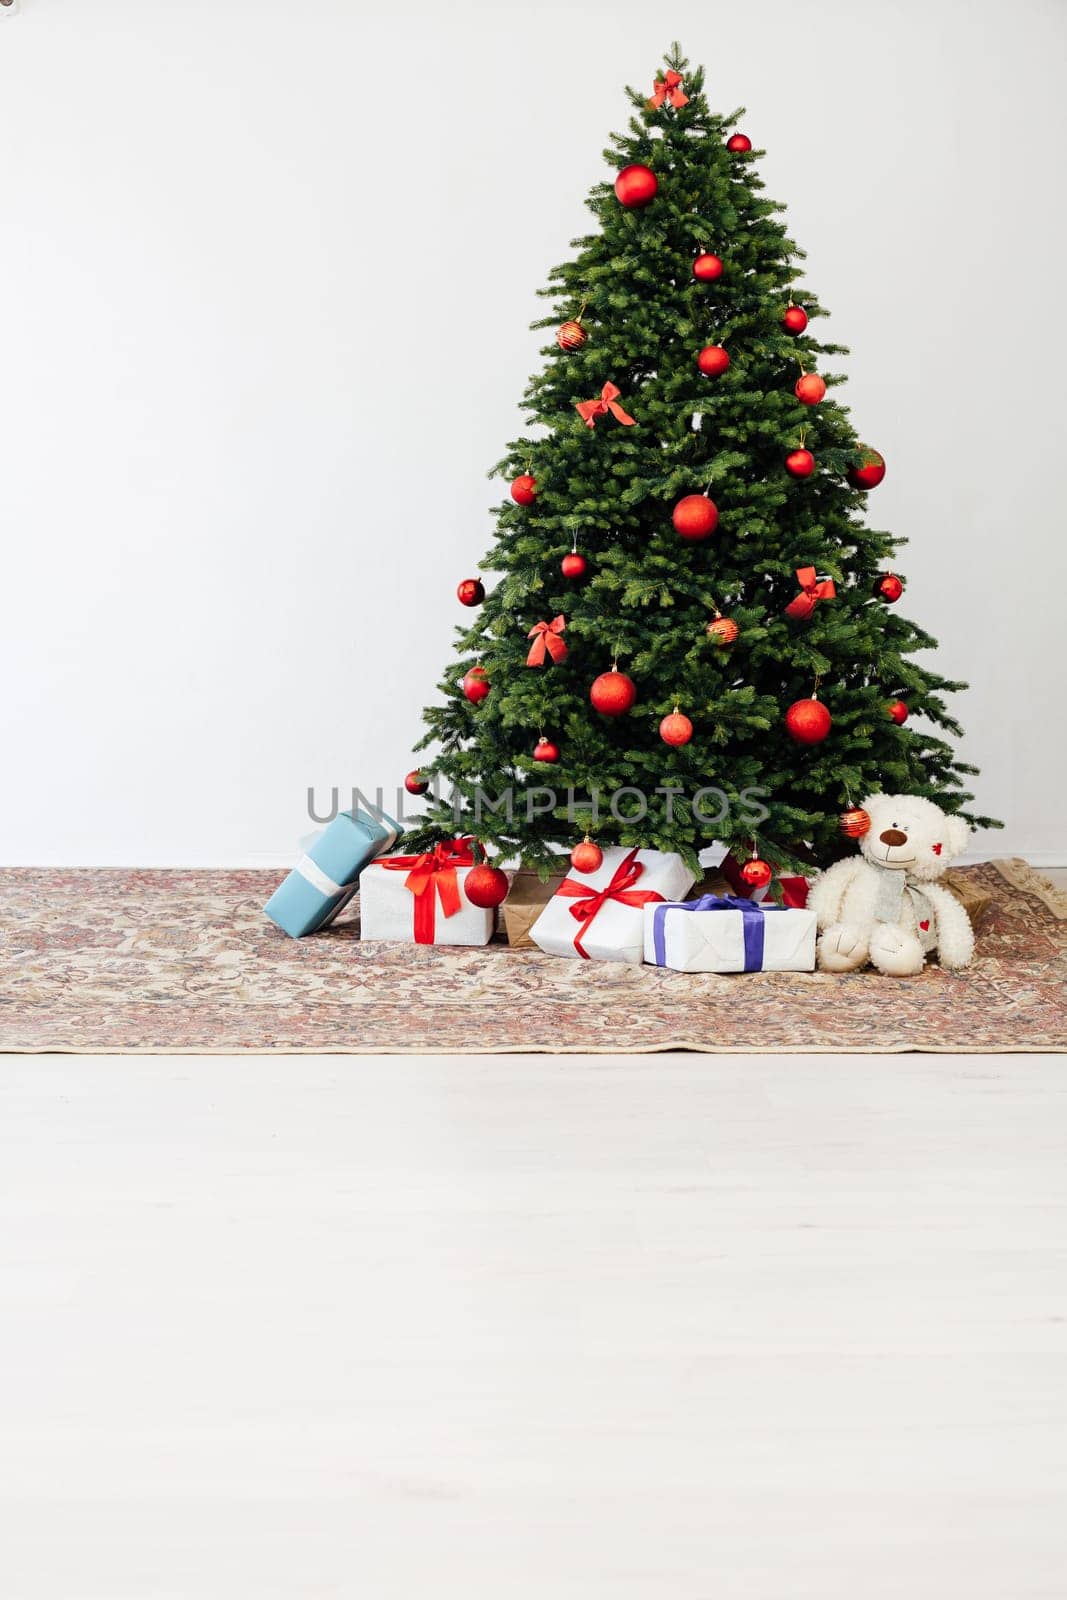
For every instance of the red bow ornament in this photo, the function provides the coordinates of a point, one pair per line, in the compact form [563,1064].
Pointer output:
[811,592]
[429,876]
[546,639]
[589,410]
[668,89]
[589,901]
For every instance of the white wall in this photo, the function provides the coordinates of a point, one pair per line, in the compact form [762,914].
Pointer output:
[267,270]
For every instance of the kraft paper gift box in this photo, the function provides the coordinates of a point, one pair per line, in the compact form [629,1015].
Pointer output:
[326,878]
[599,916]
[724,933]
[420,899]
[526,900]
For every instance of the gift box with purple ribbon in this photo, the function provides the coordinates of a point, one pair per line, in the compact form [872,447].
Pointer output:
[724,933]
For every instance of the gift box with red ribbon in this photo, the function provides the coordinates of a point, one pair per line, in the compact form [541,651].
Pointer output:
[420,898]
[599,916]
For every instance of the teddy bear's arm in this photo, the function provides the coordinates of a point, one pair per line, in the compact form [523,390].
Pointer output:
[955,936]
[827,893]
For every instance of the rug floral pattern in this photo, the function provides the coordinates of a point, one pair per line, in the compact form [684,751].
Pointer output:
[169,961]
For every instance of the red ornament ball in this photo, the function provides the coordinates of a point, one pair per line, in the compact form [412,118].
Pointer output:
[707,267]
[695,517]
[898,711]
[723,630]
[476,685]
[871,473]
[801,463]
[676,729]
[635,186]
[739,144]
[613,693]
[794,319]
[587,856]
[855,823]
[415,783]
[571,336]
[574,565]
[809,388]
[471,592]
[888,588]
[524,490]
[545,750]
[712,360]
[808,721]
[485,886]
[757,873]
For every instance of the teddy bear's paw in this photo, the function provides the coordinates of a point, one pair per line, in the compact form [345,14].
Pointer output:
[895,952]
[842,948]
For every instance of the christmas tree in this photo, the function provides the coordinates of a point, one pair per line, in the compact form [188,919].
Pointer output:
[693,634]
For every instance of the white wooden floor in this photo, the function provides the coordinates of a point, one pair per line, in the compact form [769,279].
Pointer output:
[671,1328]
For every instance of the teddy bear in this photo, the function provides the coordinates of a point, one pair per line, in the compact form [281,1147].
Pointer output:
[885,905]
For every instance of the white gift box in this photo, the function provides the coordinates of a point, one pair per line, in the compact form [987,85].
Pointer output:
[398,901]
[714,934]
[609,928]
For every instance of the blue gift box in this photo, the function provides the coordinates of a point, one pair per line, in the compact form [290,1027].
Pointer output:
[327,877]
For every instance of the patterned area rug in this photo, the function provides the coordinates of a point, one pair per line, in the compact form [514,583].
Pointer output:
[176,962]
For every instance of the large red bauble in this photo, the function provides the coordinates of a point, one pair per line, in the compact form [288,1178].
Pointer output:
[635,186]
[707,267]
[695,517]
[888,588]
[415,783]
[794,319]
[898,711]
[485,886]
[574,565]
[871,473]
[476,685]
[545,750]
[676,729]
[471,592]
[801,463]
[571,336]
[739,144]
[613,693]
[723,630]
[855,823]
[524,490]
[757,873]
[587,856]
[712,360]
[810,388]
[808,721]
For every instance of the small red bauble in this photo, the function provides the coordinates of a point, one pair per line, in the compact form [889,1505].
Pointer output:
[707,267]
[898,711]
[471,592]
[613,693]
[635,186]
[545,750]
[476,685]
[485,886]
[801,463]
[587,856]
[723,630]
[757,873]
[676,729]
[809,388]
[739,144]
[574,565]
[712,360]
[571,336]
[695,517]
[524,490]
[415,783]
[794,319]
[872,471]
[855,823]
[808,721]
[888,588]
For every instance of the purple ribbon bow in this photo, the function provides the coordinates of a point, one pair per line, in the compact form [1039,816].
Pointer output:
[751,924]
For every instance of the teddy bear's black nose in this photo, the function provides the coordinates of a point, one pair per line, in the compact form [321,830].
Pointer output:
[893,836]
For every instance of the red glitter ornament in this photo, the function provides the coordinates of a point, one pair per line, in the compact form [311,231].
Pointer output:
[635,186]
[676,729]
[809,388]
[485,886]
[524,490]
[574,565]
[808,721]
[695,517]
[712,360]
[587,856]
[545,750]
[613,693]
[707,267]
[800,463]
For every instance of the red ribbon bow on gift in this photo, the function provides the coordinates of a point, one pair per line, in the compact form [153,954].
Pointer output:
[589,901]
[811,593]
[430,875]
[667,89]
[546,637]
[589,410]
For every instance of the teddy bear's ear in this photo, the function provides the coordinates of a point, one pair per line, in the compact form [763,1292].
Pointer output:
[958,834]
